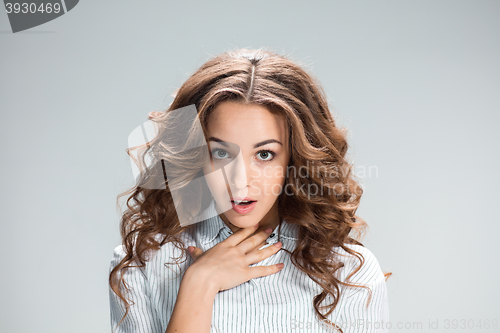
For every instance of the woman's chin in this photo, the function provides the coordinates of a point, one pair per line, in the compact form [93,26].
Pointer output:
[243,221]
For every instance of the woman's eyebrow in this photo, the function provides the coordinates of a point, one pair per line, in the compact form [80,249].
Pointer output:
[257,145]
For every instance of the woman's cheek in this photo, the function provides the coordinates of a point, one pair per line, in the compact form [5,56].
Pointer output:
[255,183]
[216,185]
[257,172]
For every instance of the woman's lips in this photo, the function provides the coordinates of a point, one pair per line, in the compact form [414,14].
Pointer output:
[243,209]
[242,199]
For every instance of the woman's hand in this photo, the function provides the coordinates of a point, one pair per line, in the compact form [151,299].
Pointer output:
[226,265]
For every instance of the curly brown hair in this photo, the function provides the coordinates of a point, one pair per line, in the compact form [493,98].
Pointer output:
[325,220]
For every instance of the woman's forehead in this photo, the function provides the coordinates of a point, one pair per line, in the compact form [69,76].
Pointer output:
[236,122]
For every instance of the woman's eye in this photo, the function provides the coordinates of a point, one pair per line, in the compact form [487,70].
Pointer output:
[266,155]
[219,153]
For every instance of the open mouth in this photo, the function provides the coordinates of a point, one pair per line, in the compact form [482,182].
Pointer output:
[244,206]
[242,203]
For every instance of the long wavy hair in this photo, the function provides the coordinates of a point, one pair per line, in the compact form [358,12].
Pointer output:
[326,220]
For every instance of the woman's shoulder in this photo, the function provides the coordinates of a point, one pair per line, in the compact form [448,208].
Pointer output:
[117,256]
[362,264]
[166,251]
[361,249]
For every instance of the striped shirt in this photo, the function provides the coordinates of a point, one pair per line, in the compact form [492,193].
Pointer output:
[281,302]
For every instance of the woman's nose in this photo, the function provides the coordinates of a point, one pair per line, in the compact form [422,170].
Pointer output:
[238,173]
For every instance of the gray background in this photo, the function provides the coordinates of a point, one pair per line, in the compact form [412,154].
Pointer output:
[416,82]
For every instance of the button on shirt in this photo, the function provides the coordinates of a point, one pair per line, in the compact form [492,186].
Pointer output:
[281,302]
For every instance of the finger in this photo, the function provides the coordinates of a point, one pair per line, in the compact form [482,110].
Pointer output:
[257,248]
[259,255]
[240,235]
[194,252]
[253,242]
[258,271]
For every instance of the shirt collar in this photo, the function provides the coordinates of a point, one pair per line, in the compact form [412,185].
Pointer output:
[211,225]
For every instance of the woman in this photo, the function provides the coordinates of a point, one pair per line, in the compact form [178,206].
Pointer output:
[264,149]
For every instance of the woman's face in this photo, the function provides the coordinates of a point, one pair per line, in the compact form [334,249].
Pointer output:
[249,155]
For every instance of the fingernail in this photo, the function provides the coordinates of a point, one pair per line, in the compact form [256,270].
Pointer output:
[280,265]
[278,244]
[190,249]
[268,230]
